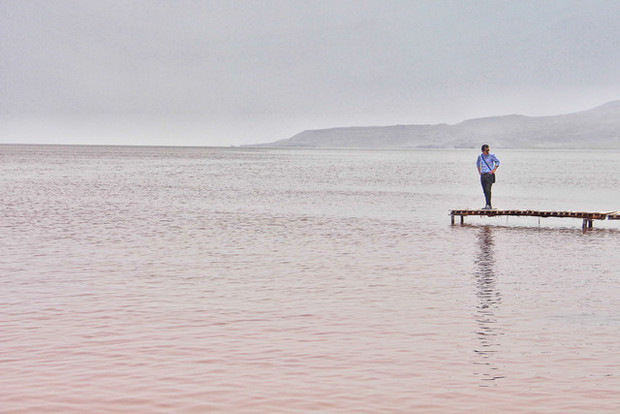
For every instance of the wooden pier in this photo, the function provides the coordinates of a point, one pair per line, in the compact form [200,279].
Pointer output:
[587,217]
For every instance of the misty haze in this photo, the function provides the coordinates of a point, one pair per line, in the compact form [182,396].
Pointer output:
[249,206]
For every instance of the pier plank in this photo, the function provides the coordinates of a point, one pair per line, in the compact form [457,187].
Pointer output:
[613,215]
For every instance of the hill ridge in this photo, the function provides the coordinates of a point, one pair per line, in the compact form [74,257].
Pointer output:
[595,128]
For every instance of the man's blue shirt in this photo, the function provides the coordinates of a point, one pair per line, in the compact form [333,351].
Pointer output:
[490,159]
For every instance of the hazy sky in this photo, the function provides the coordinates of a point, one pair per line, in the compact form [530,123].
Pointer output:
[233,72]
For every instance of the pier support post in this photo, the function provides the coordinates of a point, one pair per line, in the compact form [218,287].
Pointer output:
[452,218]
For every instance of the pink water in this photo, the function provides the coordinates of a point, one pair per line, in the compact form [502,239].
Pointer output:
[220,280]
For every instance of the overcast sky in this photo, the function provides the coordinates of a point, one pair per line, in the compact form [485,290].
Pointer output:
[227,72]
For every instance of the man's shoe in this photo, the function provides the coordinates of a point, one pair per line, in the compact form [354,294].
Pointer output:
[487,207]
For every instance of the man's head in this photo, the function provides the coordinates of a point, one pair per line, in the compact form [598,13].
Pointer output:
[484,148]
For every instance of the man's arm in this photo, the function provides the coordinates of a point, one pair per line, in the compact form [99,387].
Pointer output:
[495,164]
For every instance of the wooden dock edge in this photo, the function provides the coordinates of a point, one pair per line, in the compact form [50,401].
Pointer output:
[587,217]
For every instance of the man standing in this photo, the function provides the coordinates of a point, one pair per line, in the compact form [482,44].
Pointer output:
[487,164]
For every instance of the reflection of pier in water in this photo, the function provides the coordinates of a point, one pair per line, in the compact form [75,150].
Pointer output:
[489,300]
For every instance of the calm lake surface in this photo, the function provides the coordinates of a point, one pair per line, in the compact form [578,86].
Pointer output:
[194,280]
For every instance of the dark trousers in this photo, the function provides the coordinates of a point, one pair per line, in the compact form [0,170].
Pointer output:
[487,181]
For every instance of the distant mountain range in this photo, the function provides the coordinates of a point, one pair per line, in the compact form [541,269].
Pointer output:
[597,128]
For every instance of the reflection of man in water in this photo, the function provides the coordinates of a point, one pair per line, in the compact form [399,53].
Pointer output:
[487,164]
[489,300]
